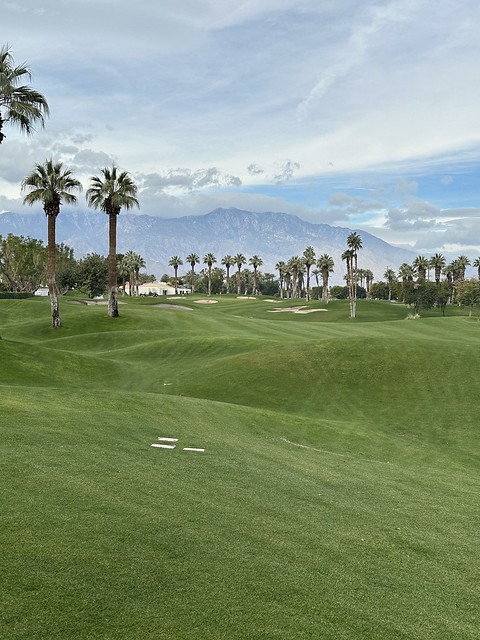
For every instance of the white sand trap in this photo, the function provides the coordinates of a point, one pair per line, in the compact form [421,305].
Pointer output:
[246,298]
[163,446]
[174,307]
[295,310]
[101,302]
[192,449]
[270,300]
[168,439]
[206,301]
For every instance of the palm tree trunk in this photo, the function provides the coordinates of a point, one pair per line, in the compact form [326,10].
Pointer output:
[209,280]
[228,279]
[112,266]
[238,283]
[52,289]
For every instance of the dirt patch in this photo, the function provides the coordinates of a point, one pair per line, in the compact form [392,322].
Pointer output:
[206,301]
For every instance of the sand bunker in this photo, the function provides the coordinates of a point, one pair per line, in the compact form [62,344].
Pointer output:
[271,301]
[246,298]
[295,310]
[101,302]
[206,301]
[174,307]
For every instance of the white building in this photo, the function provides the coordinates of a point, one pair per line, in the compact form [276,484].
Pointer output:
[161,289]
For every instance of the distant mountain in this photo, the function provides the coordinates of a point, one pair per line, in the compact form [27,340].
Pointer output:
[272,236]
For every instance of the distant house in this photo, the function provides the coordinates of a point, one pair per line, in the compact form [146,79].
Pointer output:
[160,289]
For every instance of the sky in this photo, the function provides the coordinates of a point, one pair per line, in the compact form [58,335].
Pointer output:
[357,113]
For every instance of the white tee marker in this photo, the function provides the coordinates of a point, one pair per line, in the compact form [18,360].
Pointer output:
[192,449]
[168,439]
[163,446]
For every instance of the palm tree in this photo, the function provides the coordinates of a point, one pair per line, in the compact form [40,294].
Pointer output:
[368,280]
[354,243]
[109,194]
[126,266]
[280,266]
[308,261]
[325,264]
[255,262]
[138,263]
[437,263]
[347,257]
[227,262]
[239,260]
[192,260]
[209,260]
[421,265]
[19,104]
[476,263]
[294,265]
[462,262]
[287,275]
[176,262]
[123,269]
[406,272]
[52,185]
[390,277]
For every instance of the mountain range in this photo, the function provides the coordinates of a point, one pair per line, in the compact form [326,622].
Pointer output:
[272,236]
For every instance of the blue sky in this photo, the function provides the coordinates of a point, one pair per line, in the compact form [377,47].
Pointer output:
[361,114]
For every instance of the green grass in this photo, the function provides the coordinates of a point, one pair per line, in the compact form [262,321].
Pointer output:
[337,497]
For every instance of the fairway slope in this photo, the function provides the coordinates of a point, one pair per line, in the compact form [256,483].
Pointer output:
[336,496]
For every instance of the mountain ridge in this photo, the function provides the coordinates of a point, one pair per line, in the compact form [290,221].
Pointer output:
[274,236]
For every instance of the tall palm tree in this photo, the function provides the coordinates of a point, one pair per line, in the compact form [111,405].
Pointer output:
[138,263]
[287,275]
[20,105]
[110,193]
[390,276]
[421,265]
[325,264]
[294,265]
[126,266]
[192,260]
[437,263]
[476,263]
[239,260]
[280,266]
[308,261]
[368,280]
[255,262]
[462,262]
[52,185]
[176,262]
[406,272]
[209,260]
[227,262]
[354,243]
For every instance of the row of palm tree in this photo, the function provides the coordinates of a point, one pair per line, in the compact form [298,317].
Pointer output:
[129,267]
[291,274]
[227,261]
[350,256]
[52,185]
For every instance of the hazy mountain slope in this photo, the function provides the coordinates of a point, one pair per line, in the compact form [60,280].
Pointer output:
[272,236]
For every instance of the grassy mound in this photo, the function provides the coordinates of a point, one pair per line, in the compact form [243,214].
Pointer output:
[336,497]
